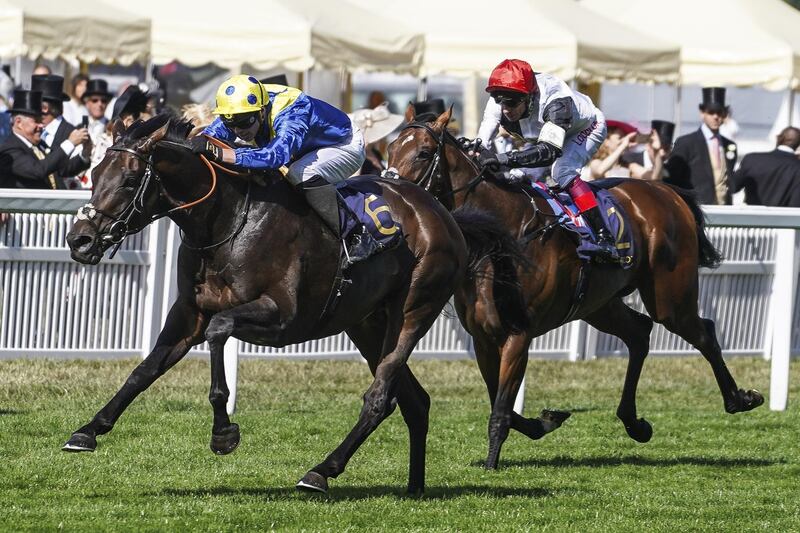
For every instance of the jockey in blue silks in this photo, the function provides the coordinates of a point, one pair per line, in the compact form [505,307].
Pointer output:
[276,126]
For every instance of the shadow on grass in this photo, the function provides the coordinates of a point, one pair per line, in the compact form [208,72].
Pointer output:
[11,412]
[637,461]
[362,493]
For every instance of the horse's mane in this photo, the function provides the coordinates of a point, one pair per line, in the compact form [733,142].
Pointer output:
[177,128]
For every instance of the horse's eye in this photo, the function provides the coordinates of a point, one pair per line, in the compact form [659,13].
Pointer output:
[424,154]
[130,180]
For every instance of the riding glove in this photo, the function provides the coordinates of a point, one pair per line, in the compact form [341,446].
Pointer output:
[487,158]
[201,145]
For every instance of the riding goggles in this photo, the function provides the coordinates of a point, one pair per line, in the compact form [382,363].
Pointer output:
[508,100]
[240,121]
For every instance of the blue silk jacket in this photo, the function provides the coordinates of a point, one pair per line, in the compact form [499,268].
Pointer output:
[296,124]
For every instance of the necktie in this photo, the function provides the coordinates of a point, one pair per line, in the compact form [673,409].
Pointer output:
[39,153]
[45,135]
[715,158]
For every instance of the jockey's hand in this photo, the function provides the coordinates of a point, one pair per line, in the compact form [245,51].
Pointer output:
[491,160]
[203,146]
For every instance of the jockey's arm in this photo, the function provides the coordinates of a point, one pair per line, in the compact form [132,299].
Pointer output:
[490,123]
[291,127]
[557,120]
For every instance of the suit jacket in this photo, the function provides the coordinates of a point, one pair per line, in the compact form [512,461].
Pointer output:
[689,166]
[769,178]
[21,169]
[62,134]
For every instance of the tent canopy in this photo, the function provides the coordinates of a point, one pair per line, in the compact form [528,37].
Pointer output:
[90,31]
[344,35]
[723,42]
[561,38]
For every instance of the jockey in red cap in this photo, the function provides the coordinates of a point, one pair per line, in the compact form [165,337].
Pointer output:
[558,128]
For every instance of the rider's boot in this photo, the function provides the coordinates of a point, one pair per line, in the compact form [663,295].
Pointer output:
[323,198]
[586,202]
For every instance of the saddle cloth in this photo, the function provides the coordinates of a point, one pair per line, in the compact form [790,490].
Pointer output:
[363,198]
[615,219]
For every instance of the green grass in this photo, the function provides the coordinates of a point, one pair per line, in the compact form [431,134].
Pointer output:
[703,470]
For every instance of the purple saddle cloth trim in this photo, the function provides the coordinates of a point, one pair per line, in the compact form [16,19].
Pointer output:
[615,219]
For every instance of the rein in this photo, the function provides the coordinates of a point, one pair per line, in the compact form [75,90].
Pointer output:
[433,167]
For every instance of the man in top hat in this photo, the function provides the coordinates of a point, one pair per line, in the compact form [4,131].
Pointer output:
[25,161]
[96,99]
[704,160]
[772,178]
[277,79]
[56,129]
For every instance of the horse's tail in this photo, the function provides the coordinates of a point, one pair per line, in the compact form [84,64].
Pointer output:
[487,239]
[708,255]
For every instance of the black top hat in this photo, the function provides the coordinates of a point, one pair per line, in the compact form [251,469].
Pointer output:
[666,131]
[277,79]
[713,99]
[96,87]
[27,103]
[51,86]
[429,108]
[133,100]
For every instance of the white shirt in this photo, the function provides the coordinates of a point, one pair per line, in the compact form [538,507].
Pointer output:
[67,146]
[74,112]
[584,112]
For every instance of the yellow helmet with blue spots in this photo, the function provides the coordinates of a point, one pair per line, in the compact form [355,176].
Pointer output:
[240,94]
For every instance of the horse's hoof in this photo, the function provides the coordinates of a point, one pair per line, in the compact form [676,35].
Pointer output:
[640,431]
[313,482]
[746,401]
[80,442]
[225,442]
[554,417]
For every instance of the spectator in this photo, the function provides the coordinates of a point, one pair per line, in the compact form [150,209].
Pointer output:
[96,98]
[5,119]
[199,115]
[772,178]
[41,70]
[24,162]
[729,128]
[376,124]
[607,162]
[74,110]
[649,163]
[704,160]
[277,79]
[56,129]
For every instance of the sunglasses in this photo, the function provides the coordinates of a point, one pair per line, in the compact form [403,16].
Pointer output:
[508,101]
[240,122]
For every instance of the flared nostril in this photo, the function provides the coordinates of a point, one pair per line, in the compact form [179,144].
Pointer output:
[80,243]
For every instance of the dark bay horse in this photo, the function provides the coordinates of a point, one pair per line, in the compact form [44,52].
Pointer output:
[258,265]
[669,232]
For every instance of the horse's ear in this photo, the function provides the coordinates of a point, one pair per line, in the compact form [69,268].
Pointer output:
[117,129]
[147,144]
[410,113]
[444,118]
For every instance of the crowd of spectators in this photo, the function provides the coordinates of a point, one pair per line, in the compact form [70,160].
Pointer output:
[54,134]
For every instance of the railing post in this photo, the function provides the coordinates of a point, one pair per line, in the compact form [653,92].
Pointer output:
[577,340]
[152,318]
[782,312]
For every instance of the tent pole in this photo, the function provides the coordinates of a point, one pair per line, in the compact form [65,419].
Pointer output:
[791,106]
[678,91]
[422,89]
[18,71]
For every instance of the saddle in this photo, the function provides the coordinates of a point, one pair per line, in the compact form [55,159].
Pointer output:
[568,216]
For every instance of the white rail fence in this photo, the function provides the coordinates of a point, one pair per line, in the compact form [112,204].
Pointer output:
[51,306]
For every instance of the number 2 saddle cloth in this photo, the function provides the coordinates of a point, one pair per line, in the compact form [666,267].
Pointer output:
[614,217]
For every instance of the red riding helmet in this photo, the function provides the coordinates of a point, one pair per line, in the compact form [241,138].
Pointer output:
[512,75]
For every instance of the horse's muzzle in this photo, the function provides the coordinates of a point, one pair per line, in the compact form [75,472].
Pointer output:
[83,248]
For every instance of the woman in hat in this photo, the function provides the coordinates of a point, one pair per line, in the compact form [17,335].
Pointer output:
[608,162]
[376,124]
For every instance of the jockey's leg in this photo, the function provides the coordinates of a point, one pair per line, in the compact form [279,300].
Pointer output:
[586,201]
[324,200]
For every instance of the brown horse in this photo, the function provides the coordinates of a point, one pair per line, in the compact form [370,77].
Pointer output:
[669,233]
[257,264]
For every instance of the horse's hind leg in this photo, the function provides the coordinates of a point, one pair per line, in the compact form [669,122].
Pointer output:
[182,330]
[668,304]
[412,398]
[633,328]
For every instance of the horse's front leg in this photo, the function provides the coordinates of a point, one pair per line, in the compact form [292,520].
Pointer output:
[182,330]
[259,317]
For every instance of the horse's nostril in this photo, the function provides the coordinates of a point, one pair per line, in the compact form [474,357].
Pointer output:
[80,243]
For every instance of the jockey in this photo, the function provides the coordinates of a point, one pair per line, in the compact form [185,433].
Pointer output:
[280,126]
[558,126]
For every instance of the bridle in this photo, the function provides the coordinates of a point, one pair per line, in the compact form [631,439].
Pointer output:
[120,226]
[433,172]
